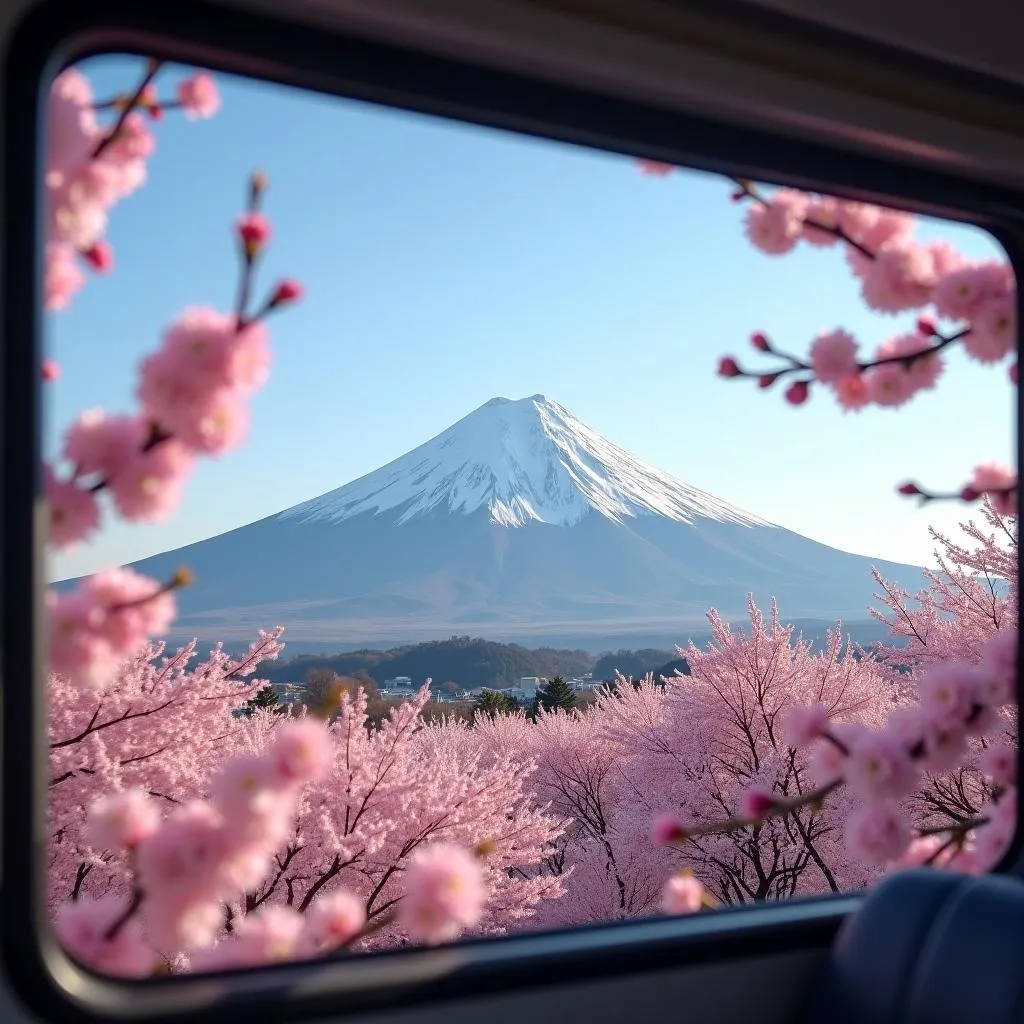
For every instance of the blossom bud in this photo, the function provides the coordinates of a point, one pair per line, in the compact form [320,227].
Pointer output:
[667,830]
[100,256]
[254,231]
[728,367]
[288,290]
[798,392]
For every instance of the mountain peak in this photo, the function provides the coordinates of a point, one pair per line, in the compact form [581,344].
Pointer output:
[524,461]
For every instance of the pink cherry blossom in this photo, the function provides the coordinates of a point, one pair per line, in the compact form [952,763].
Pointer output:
[133,141]
[198,96]
[148,486]
[775,226]
[854,392]
[77,649]
[949,691]
[889,385]
[900,277]
[993,332]
[301,752]
[887,226]
[73,511]
[181,922]
[82,929]
[856,219]
[101,444]
[960,292]
[878,832]
[804,725]
[756,802]
[1000,484]
[78,224]
[181,860]
[444,894]
[999,660]
[121,821]
[72,129]
[833,356]
[655,168]
[683,894]
[268,935]
[822,213]
[992,840]
[131,608]
[63,277]
[878,767]
[934,850]
[247,793]
[999,762]
[667,829]
[923,371]
[216,425]
[333,920]
[945,744]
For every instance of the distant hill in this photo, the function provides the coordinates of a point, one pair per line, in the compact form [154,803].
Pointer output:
[463,660]
[472,661]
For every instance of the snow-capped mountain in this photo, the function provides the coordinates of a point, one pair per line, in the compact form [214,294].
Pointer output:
[529,461]
[519,521]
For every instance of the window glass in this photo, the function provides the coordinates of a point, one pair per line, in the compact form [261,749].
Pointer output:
[642,541]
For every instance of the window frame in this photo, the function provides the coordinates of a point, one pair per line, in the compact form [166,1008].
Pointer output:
[261,46]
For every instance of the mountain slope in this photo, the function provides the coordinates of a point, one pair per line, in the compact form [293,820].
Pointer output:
[518,521]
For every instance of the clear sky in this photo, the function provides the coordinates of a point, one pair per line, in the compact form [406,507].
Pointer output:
[446,265]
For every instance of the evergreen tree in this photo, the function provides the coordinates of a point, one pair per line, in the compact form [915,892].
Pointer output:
[491,703]
[265,697]
[557,693]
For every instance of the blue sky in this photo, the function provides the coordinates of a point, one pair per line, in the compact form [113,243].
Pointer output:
[446,265]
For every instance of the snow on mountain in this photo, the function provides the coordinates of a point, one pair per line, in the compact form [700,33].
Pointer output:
[525,461]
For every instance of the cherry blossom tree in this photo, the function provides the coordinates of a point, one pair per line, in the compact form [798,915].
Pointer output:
[702,744]
[158,726]
[609,871]
[384,794]
[390,791]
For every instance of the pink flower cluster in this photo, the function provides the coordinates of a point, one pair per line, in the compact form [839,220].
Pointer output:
[881,768]
[201,855]
[897,274]
[94,627]
[189,866]
[90,167]
[193,392]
